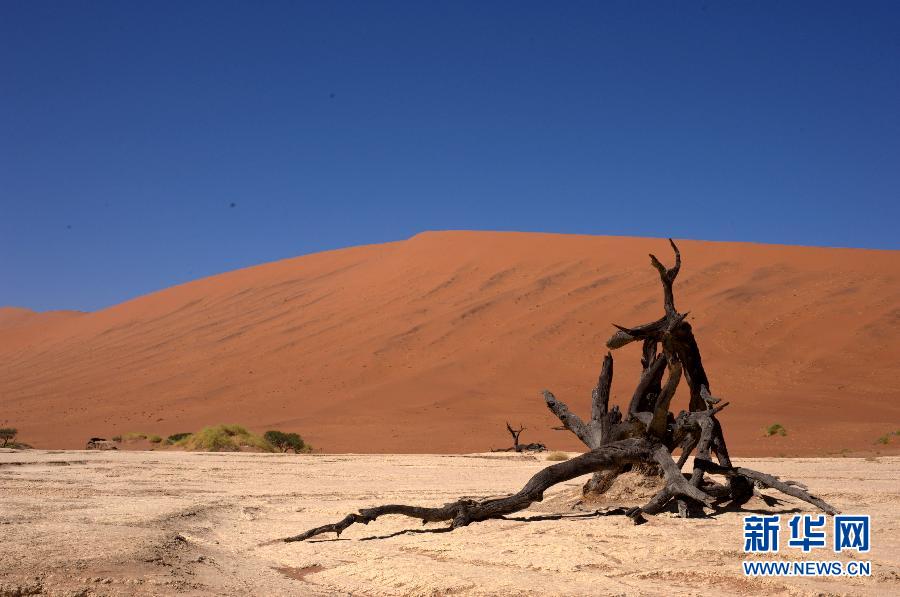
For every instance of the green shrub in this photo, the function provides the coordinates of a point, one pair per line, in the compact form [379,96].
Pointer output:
[286,442]
[274,437]
[776,429]
[154,439]
[176,437]
[8,434]
[886,438]
[223,438]
[131,436]
[557,456]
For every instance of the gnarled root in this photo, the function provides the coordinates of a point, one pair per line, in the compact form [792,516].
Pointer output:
[751,477]
[466,511]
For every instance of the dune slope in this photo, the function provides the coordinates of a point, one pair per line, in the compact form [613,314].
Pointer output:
[430,344]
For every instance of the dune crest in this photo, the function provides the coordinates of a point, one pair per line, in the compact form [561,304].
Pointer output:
[431,344]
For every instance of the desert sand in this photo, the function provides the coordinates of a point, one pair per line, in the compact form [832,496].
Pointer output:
[144,523]
[431,344]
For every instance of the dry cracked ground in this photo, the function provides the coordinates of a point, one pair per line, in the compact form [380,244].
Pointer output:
[161,523]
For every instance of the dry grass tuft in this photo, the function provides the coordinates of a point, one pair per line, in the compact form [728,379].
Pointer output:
[224,438]
[776,429]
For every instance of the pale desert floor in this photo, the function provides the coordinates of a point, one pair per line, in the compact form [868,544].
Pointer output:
[148,523]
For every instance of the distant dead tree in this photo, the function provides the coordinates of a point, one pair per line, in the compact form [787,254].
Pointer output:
[8,434]
[517,447]
[643,436]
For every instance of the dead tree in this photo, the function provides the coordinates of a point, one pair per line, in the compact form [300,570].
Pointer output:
[646,435]
[517,447]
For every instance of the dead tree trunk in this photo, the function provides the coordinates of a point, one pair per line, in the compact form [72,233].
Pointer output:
[515,433]
[645,436]
[599,429]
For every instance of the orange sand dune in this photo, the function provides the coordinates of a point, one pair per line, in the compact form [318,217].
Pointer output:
[18,317]
[430,344]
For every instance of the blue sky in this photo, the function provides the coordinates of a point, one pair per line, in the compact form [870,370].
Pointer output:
[128,130]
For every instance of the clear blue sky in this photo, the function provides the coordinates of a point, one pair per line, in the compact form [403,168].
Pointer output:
[128,130]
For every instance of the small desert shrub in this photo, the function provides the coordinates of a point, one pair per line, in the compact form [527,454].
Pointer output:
[117,438]
[557,456]
[886,438]
[224,438]
[776,429]
[131,436]
[154,439]
[286,442]
[7,435]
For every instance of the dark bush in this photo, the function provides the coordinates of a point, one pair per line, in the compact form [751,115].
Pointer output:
[286,442]
[8,434]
